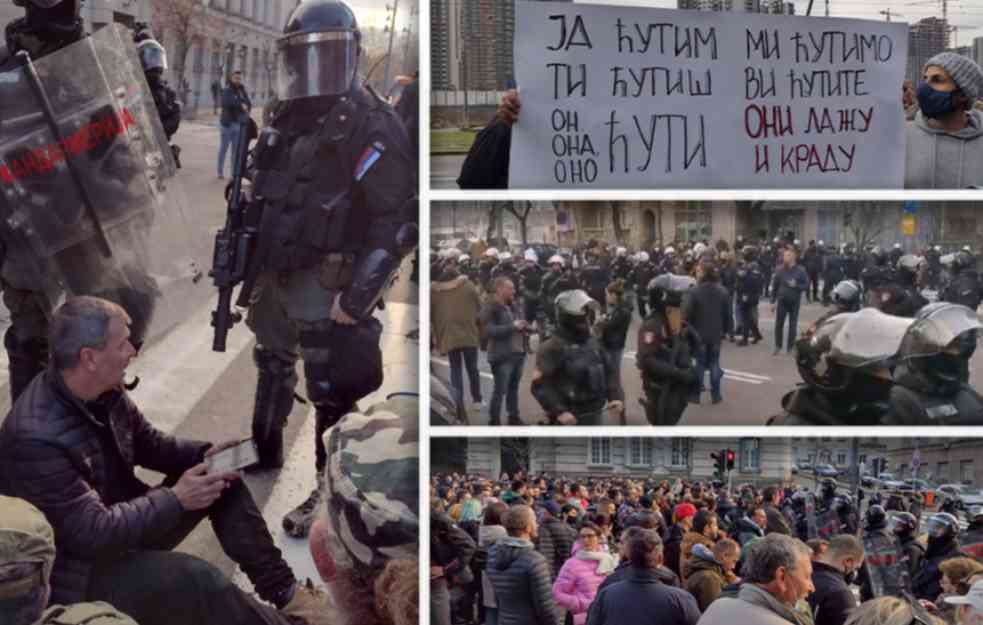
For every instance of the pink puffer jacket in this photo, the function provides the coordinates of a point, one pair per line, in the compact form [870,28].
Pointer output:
[576,586]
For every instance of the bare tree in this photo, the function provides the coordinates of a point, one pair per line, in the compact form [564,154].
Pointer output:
[520,210]
[516,450]
[865,221]
[187,22]
[493,214]
[617,212]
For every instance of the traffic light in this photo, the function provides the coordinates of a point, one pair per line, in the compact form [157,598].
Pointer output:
[730,459]
[719,463]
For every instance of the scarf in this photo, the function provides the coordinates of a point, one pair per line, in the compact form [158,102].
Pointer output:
[756,595]
[605,561]
[511,541]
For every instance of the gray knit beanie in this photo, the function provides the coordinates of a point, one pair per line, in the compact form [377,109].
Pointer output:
[964,71]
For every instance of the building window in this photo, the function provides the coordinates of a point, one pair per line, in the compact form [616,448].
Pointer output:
[694,223]
[600,452]
[592,218]
[840,458]
[967,472]
[750,455]
[942,472]
[680,453]
[640,452]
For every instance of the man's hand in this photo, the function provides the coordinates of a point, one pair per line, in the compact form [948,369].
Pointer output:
[508,109]
[436,571]
[214,449]
[520,324]
[340,316]
[616,406]
[197,490]
[773,309]
[566,418]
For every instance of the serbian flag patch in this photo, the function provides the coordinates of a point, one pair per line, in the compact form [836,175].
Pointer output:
[369,157]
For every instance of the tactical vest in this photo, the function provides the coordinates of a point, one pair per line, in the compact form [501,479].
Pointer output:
[314,205]
[828,523]
[97,613]
[582,380]
[886,564]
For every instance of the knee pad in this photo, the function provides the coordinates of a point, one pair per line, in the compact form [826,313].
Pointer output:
[342,364]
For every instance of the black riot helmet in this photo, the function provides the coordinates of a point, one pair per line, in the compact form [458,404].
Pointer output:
[908,266]
[941,526]
[846,295]
[941,339]
[153,56]
[828,488]
[48,26]
[750,253]
[668,289]
[903,523]
[879,255]
[876,518]
[319,50]
[571,313]
[957,261]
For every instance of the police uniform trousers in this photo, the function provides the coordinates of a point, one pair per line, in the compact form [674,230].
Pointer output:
[26,340]
[290,315]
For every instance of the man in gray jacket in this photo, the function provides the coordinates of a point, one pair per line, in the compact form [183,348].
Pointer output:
[506,353]
[787,286]
[945,140]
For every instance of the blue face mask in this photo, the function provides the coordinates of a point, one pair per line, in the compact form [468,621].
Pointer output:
[935,104]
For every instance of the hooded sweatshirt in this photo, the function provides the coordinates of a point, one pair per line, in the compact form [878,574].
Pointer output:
[935,159]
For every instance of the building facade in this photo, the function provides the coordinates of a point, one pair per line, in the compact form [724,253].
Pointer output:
[739,6]
[943,461]
[758,460]
[926,38]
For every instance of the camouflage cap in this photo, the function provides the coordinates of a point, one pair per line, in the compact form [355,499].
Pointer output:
[25,537]
[372,482]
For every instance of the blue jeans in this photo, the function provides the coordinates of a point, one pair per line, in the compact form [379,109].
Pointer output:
[491,616]
[507,373]
[470,357]
[708,357]
[792,313]
[230,135]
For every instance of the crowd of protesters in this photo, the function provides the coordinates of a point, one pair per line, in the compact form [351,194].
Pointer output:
[551,550]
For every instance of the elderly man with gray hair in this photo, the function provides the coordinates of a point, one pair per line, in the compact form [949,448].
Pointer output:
[777,576]
[70,446]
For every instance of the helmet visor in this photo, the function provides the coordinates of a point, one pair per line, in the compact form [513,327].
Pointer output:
[152,56]
[316,64]
[938,330]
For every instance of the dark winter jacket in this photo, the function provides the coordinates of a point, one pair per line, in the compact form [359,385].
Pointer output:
[451,548]
[521,578]
[614,330]
[788,284]
[777,523]
[232,100]
[705,578]
[621,573]
[642,599]
[707,310]
[747,531]
[673,548]
[832,600]
[503,337]
[927,583]
[555,542]
[75,461]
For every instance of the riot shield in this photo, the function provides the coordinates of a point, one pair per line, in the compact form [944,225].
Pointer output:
[828,523]
[886,564]
[809,516]
[90,202]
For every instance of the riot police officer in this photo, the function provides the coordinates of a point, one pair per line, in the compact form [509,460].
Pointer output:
[832,273]
[572,381]
[885,573]
[769,258]
[594,279]
[901,297]
[963,286]
[851,263]
[943,531]
[905,527]
[326,270]
[930,379]
[620,266]
[153,58]
[530,285]
[971,539]
[546,292]
[640,277]
[505,268]
[489,259]
[665,354]
[748,293]
[876,277]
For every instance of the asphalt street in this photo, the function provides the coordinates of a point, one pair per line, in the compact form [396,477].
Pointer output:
[190,391]
[754,380]
[444,170]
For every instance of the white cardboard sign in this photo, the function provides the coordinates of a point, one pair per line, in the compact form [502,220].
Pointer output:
[626,97]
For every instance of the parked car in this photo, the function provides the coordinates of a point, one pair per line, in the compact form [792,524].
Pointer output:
[826,470]
[966,496]
[869,481]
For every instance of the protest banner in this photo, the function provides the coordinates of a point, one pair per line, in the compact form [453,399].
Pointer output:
[627,97]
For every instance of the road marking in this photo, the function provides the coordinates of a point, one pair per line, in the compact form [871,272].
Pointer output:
[729,374]
[443,361]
